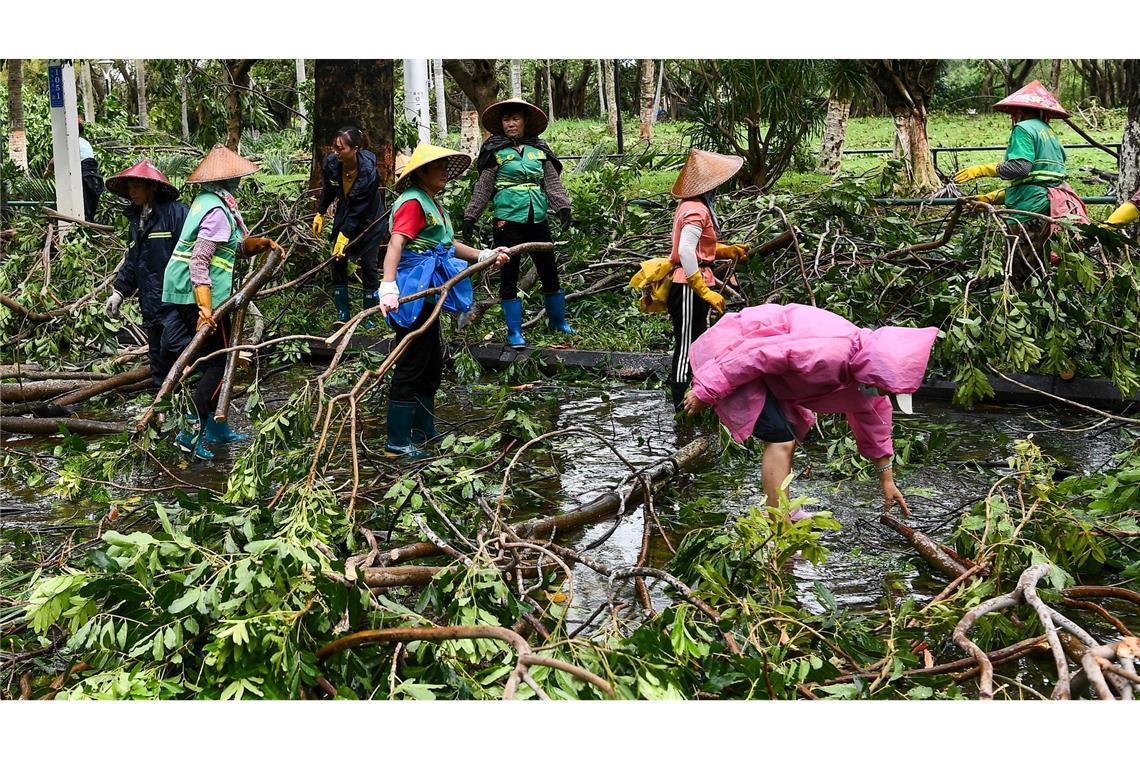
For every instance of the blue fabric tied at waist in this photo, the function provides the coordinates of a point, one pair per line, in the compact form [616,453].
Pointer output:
[429,269]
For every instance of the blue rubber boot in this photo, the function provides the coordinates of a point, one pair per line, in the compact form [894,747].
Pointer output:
[556,312]
[400,415]
[340,298]
[512,313]
[423,421]
[370,300]
[221,432]
[192,443]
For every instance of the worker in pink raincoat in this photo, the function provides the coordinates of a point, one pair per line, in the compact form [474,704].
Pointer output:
[767,369]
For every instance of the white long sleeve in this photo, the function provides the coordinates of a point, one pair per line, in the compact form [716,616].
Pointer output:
[687,248]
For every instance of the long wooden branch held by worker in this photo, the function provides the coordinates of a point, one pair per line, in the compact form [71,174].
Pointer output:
[226,392]
[273,259]
[931,550]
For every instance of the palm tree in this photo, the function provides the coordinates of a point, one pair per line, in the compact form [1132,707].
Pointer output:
[17,137]
[848,79]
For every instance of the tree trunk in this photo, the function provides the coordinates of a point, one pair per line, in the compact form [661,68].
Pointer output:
[440,101]
[646,99]
[913,147]
[184,100]
[601,89]
[476,78]
[516,78]
[88,94]
[360,92]
[17,137]
[132,99]
[611,96]
[237,75]
[300,95]
[140,84]
[99,88]
[1056,78]
[657,95]
[549,93]
[469,132]
[906,86]
[834,134]
[1129,180]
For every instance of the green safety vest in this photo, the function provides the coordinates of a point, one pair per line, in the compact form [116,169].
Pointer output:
[438,230]
[1034,141]
[176,284]
[518,184]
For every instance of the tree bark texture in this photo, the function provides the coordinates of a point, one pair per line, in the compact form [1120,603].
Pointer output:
[1129,180]
[834,135]
[570,93]
[440,100]
[237,77]
[184,101]
[354,92]
[140,79]
[906,86]
[17,137]
[86,88]
[611,95]
[647,83]
[469,132]
[549,92]
[301,77]
[477,79]
[516,78]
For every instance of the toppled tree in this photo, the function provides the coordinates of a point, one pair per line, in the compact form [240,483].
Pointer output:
[906,86]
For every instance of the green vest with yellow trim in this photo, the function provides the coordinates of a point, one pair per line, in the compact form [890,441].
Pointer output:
[1032,139]
[436,232]
[518,184]
[176,284]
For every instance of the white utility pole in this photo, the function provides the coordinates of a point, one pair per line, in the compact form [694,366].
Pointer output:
[440,100]
[416,108]
[65,140]
[301,81]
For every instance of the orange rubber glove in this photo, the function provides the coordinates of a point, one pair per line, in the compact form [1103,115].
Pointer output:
[204,298]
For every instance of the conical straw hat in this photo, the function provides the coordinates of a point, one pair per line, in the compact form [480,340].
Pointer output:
[220,164]
[492,118]
[426,153]
[704,171]
[142,170]
[1033,96]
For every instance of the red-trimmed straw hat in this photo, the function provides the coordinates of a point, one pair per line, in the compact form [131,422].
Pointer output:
[221,164]
[142,170]
[1033,96]
[492,118]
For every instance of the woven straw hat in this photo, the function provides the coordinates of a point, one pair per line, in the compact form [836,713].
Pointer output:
[142,170]
[220,164]
[704,171]
[1033,96]
[492,118]
[424,154]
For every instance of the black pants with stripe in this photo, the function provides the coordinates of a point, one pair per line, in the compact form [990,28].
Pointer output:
[690,315]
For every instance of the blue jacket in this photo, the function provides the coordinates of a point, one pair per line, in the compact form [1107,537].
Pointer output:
[148,250]
[363,205]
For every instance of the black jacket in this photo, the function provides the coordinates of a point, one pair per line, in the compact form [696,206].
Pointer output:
[148,251]
[361,208]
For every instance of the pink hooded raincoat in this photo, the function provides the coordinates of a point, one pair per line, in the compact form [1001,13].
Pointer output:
[812,361]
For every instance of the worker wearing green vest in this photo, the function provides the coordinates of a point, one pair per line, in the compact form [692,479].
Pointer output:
[199,277]
[519,176]
[422,253]
[1034,162]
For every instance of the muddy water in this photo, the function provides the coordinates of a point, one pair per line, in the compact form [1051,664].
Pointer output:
[865,558]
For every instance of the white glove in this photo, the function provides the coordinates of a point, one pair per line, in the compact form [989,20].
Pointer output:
[111,308]
[498,253]
[389,296]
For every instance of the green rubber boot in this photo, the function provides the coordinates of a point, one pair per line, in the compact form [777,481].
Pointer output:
[400,415]
[370,300]
[192,443]
[340,298]
[221,432]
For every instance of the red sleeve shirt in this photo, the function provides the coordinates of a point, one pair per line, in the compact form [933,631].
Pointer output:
[409,220]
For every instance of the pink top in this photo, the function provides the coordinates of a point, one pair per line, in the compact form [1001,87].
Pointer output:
[1136,197]
[812,361]
[214,228]
[695,212]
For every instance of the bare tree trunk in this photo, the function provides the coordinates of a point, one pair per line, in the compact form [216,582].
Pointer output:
[601,89]
[1056,79]
[657,95]
[140,83]
[834,134]
[17,137]
[906,85]
[88,94]
[469,132]
[300,96]
[516,78]
[646,99]
[912,145]
[237,72]
[184,100]
[549,93]
[440,100]
[611,95]
[1129,180]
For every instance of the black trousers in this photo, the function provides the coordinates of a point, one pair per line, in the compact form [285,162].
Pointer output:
[369,260]
[419,371]
[690,315]
[772,426]
[179,324]
[513,233]
[159,360]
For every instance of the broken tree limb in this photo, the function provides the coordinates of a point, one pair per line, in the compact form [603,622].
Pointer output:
[37,390]
[102,386]
[36,426]
[226,392]
[1091,140]
[931,550]
[603,506]
[252,285]
[947,233]
[35,372]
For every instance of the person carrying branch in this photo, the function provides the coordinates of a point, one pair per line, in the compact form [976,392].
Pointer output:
[422,253]
[199,277]
[154,225]
[519,176]
[1034,165]
[767,369]
[349,177]
[682,285]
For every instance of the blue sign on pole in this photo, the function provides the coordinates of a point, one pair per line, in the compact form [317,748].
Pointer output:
[55,86]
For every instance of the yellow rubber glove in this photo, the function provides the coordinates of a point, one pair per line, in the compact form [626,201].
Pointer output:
[994,198]
[338,246]
[1126,213]
[973,172]
[734,252]
[697,283]
[318,224]
[204,299]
